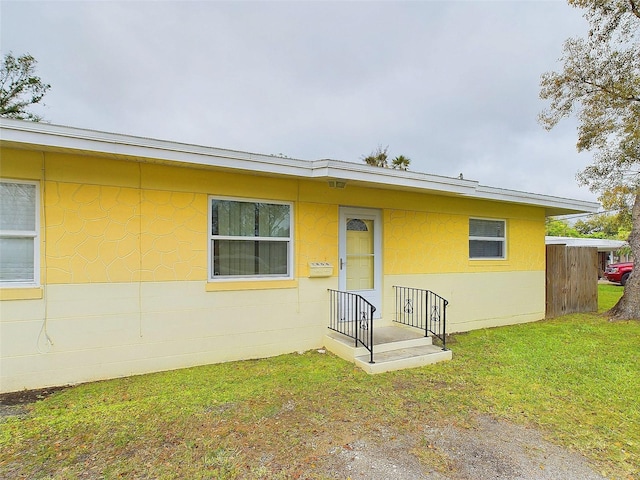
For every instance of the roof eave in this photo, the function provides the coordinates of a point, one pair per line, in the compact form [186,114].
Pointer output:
[57,137]
[554,206]
[125,146]
[390,178]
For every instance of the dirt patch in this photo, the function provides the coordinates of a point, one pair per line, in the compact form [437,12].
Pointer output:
[489,449]
[15,403]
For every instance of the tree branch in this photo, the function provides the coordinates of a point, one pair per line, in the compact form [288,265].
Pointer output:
[634,8]
[631,98]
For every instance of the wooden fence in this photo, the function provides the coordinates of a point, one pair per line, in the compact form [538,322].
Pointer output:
[572,280]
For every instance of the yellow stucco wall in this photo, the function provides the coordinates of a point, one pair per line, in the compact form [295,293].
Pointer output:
[124,268]
[91,233]
[316,235]
[426,242]
[102,233]
[105,220]
[425,233]
[173,230]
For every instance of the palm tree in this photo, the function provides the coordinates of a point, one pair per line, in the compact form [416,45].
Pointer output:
[401,162]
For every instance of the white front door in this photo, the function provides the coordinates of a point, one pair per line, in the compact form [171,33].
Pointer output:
[360,264]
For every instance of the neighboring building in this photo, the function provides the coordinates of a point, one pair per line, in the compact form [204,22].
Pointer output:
[608,250]
[122,255]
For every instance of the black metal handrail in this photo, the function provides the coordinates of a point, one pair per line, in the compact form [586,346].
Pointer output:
[352,315]
[422,309]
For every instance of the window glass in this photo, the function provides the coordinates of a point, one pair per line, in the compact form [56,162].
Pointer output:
[360,254]
[250,239]
[17,206]
[273,220]
[486,238]
[483,248]
[18,233]
[356,225]
[486,228]
[16,260]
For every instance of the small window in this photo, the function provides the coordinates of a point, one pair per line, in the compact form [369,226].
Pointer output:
[357,225]
[19,234]
[486,238]
[249,239]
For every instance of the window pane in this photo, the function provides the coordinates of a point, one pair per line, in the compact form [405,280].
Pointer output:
[355,224]
[233,218]
[248,219]
[232,257]
[360,254]
[485,248]
[273,258]
[360,241]
[273,220]
[244,257]
[16,260]
[215,224]
[486,228]
[17,206]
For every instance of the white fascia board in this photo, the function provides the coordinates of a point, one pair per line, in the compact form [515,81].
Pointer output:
[554,205]
[56,136]
[401,179]
[51,136]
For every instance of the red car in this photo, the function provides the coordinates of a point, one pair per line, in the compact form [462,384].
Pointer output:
[619,272]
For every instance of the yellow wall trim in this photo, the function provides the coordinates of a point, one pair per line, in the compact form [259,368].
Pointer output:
[34,293]
[250,285]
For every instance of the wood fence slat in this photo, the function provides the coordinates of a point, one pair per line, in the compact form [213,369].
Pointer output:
[571,280]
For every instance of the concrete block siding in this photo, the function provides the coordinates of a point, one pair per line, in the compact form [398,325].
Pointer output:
[124,288]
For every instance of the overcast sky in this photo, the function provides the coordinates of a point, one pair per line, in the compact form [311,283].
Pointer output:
[451,85]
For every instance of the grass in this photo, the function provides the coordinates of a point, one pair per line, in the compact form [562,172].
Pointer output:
[575,377]
[608,295]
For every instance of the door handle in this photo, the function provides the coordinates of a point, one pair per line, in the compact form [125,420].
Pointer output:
[341,264]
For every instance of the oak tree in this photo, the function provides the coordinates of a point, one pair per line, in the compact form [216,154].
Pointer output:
[555,227]
[600,83]
[20,87]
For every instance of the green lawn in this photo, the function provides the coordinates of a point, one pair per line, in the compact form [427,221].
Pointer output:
[576,377]
[608,295]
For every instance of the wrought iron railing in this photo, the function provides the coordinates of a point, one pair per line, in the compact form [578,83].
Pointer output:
[422,309]
[352,315]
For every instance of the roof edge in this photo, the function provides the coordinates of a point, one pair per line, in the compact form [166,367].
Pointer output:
[72,138]
[555,205]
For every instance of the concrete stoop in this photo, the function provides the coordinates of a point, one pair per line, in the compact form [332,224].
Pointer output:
[395,348]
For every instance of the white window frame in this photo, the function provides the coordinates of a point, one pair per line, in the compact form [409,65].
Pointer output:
[33,234]
[211,238]
[502,239]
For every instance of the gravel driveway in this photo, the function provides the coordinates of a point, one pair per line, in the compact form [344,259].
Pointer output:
[490,450]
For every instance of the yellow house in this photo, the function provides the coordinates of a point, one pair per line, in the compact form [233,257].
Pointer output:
[122,255]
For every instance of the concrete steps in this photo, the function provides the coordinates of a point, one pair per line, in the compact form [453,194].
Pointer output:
[395,348]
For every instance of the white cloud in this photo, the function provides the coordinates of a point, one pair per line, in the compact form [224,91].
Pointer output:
[452,85]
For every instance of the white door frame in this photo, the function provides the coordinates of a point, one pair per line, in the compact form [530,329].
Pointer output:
[374,296]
